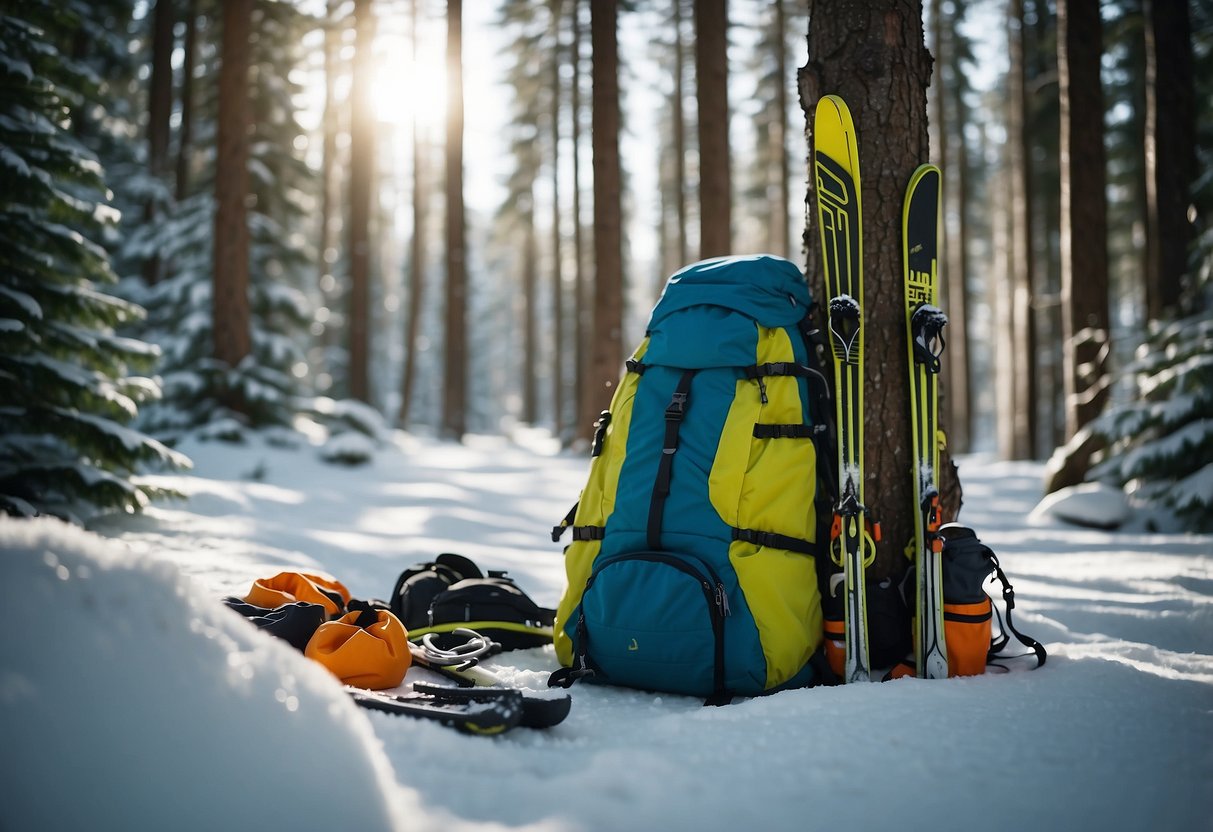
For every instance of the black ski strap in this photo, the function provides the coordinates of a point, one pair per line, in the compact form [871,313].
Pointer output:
[997,646]
[674,414]
[558,531]
[600,429]
[773,540]
[579,532]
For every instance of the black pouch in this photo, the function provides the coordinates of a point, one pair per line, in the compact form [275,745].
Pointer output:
[419,585]
[293,623]
[435,599]
[967,611]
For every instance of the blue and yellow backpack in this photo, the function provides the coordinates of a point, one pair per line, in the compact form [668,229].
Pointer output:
[693,565]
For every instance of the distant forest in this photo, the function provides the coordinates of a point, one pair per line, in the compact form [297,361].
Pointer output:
[253,215]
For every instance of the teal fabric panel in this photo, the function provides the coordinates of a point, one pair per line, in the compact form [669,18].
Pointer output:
[650,626]
[769,289]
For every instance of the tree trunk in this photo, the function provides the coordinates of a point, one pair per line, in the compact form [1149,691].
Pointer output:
[1084,213]
[606,346]
[1170,154]
[362,149]
[455,358]
[417,251]
[558,362]
[233,340]
[189,59]
[780,240]
[582,289]
[954,387]
[960,402]
[712,85]
[530,311]
[330,199]
[160,112]
[1022,362]
[680,139]
[872,54]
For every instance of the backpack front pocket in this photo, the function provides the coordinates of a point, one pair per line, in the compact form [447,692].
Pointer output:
[655,620]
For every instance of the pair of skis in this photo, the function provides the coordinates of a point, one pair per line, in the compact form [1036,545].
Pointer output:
[854,534]
[476,704]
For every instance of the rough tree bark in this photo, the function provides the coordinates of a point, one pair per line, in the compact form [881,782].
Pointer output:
[712,79]
[454,394]
[606,346]
[873,55]
[233,340]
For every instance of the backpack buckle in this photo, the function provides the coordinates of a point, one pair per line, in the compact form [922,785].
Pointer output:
[677,407]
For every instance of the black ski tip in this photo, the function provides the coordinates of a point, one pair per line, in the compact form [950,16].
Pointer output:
[545,711]
[482,711]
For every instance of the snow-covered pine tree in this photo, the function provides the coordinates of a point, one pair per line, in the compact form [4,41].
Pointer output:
[273,378]
[1162,439]
[67,394]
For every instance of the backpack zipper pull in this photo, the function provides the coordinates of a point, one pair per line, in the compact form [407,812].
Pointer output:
[722,600]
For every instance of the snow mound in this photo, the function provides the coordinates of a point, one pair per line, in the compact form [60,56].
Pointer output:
[1093,505]
[131,700]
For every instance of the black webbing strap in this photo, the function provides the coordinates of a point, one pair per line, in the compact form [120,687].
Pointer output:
[996,647]
[589,532]
[600,429]
[762,431]
[634,366]
[771,540]
[674,414]
[558,531]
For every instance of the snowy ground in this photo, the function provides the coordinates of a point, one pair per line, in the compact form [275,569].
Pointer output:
[129,698]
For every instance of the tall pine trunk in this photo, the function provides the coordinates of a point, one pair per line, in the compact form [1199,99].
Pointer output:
[233,339]
[780,239]
[455,357]
[712,85]
[1084,213]
[160,111]
[873,55]
[1021,363]
[558,337]
[680,140]
[186,135]
[1170,153]
[362,149]
[582,289]
[606,346]
[417,247]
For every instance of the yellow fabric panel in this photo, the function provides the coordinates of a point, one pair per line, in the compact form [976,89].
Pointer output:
[578,563]
[781,589]
[768,485]
[596,504]
[765,484]
[733,452]
[777,495]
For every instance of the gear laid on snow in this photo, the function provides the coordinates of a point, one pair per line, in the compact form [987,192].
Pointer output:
[294,623]
[451,593]
[289,587]
[368,648]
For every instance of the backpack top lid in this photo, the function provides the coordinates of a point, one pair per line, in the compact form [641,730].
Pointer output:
[769,289]
[706,314]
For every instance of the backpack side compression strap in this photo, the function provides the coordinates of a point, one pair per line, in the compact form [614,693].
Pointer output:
[772,540]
